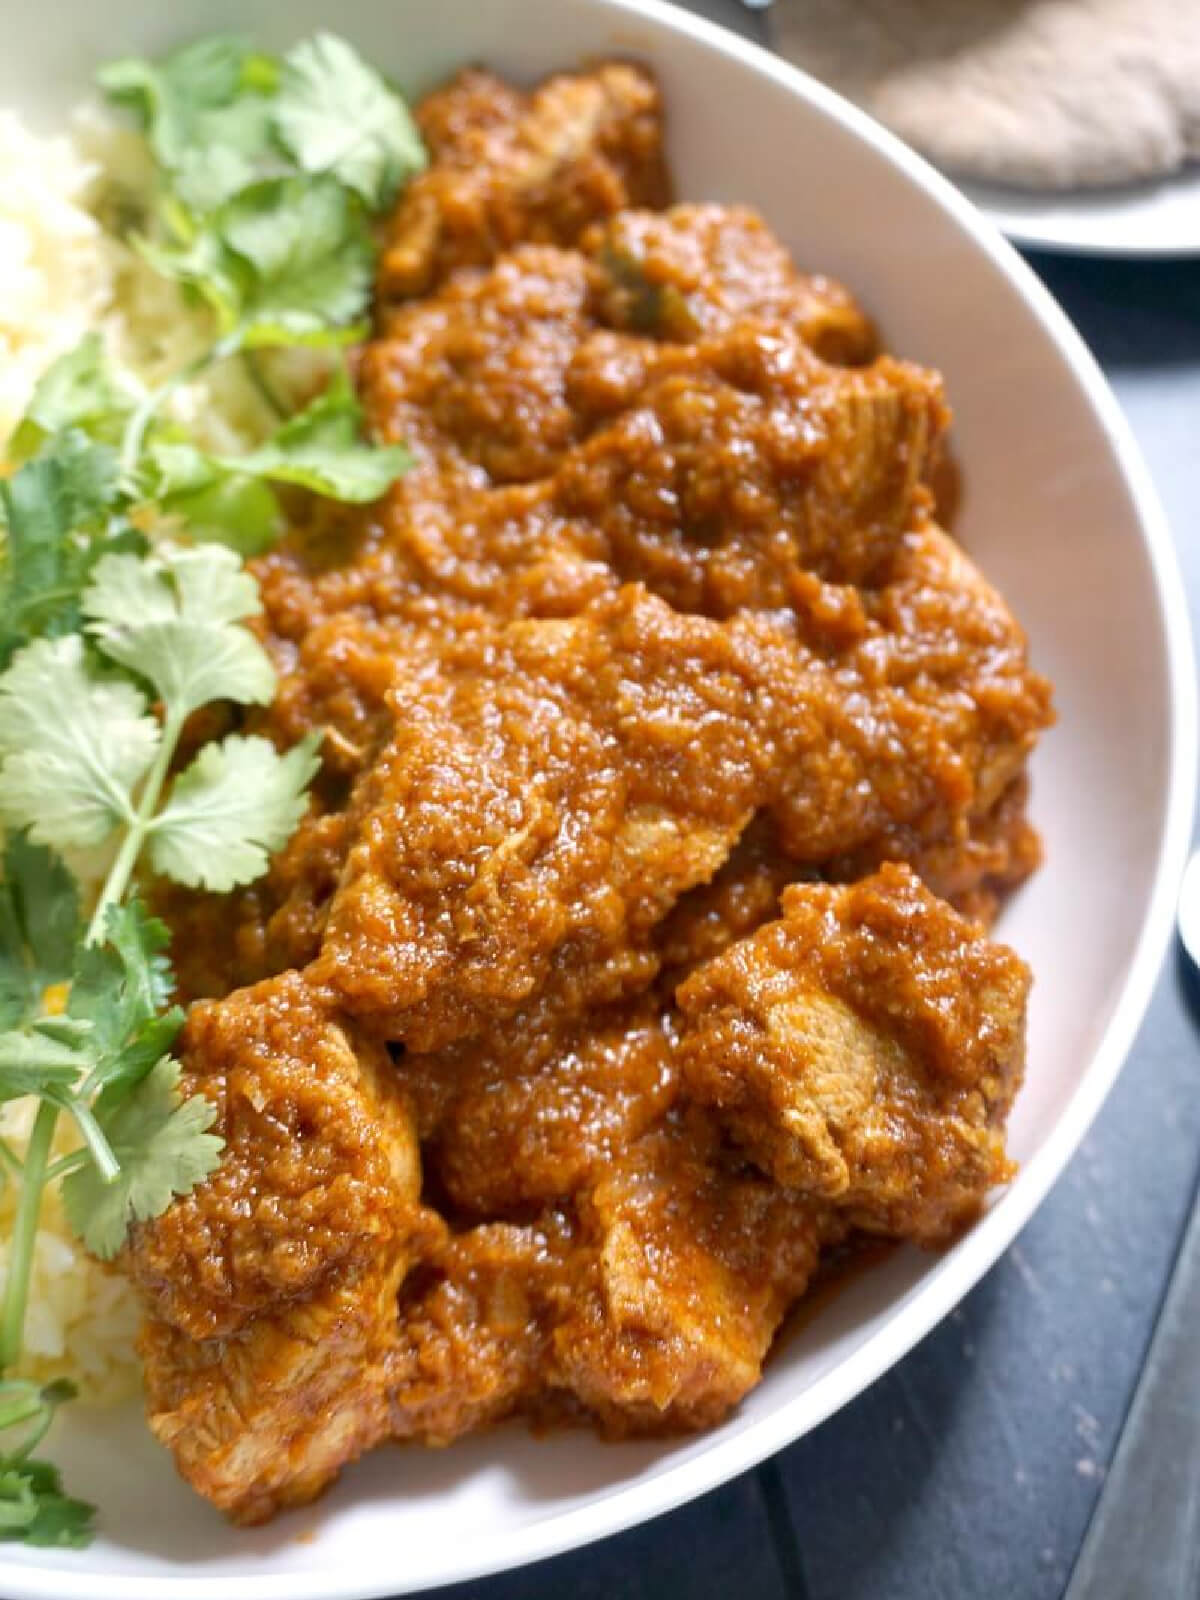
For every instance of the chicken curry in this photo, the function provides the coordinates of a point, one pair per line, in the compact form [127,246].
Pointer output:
[632,954]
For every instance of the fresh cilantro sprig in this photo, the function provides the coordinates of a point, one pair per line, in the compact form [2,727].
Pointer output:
[33,1507]
[84,760]
[87,1032]
[90,723]
[85,1026]
[268,173]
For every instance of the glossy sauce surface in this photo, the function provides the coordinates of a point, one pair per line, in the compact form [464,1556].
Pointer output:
[582,1013]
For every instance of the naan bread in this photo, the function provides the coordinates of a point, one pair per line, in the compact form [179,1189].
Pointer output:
[1047,94]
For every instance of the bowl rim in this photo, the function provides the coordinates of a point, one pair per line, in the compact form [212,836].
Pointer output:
[641,1499]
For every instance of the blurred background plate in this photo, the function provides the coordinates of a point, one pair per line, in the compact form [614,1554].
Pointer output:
[1156,219]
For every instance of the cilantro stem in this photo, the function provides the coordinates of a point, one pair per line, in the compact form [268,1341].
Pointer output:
[143,415]
[41,1427]
[20,1401]
[66,1164]
[258,377]
[20,1261]
[105,1161]
[9,1159]
[121,870]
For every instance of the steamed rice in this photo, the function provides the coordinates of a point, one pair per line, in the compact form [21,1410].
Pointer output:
[82,1317]
[64,273]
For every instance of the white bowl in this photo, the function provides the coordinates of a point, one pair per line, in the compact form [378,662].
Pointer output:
[1058,510]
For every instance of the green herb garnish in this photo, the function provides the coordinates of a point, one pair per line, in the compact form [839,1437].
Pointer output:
[268,171]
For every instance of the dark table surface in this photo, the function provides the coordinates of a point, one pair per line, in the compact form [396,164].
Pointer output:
[971,1470]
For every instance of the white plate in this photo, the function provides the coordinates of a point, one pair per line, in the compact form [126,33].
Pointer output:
[1154,219]
[1059,510]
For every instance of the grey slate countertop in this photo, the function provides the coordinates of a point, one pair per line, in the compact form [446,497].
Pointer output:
[971,1470]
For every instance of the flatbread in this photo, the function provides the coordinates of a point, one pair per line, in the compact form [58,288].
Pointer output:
[1046,94]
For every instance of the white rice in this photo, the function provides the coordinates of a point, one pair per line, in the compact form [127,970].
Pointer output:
[63,274]
[82,1317]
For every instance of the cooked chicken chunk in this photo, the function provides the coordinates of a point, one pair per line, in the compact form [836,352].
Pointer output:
[745,460]
[691,1265]
[575,1034]
[320,1176]
[271,1287]
[509,168]
[473,379]
[534,1114]
[266,1417]
[908,716]
[555,788]
[692,270]
[864,1049]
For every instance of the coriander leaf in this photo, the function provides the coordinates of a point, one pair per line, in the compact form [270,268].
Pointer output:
[305,252]
[79,390]
[199,261]
[34,1509]
[220,503]
[235,510]
[39,927]
[206,110]
[72,744]
[164,1149]
[173,99]
[18,1502]
[72,483]
[120,988]
[336,114]
[20,1401]
[322,449]
[71,1031]
[172,467]
[33,1064]
[231,148]
[135,952]
[238,801]
[174,617]
[60,515]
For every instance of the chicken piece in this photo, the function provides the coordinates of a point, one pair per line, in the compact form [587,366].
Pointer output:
[864,1050]
[742,896]
[473,1328]
[320,1175]
[975,874]
[900,715]
[271,1287]
[266,1418]
[701,269]
[898,718]
[530,1116]
[718,474]
[473,379]
[723,482]
[692,1265]
[509,168]
[549,794]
